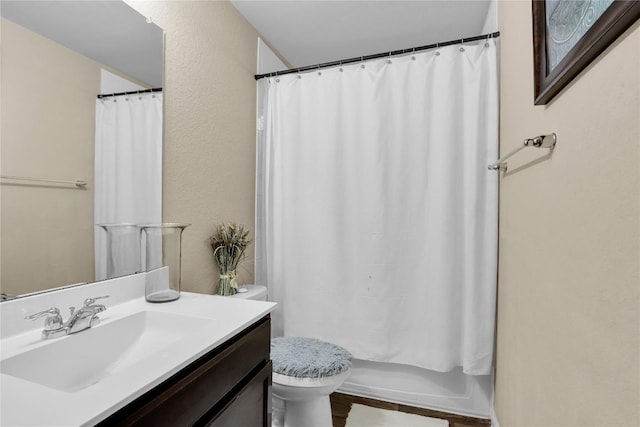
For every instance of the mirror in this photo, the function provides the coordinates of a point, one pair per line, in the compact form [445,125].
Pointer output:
[57,56]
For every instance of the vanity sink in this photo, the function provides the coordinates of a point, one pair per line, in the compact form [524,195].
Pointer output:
[78,361]
[135,353]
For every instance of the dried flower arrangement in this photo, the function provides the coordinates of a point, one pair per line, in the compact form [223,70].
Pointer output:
[229,244]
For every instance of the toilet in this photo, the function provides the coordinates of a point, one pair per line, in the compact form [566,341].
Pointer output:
[305,372]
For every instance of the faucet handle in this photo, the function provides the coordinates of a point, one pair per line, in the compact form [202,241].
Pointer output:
[53,321]
[90,301]
[52,310]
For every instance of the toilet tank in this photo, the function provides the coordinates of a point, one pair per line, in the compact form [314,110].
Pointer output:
[254,292]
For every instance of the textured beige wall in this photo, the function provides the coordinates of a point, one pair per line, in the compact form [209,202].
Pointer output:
[48,130]
[569,279]
[209,127]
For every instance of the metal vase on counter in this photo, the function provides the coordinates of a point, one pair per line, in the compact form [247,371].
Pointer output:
[163,253]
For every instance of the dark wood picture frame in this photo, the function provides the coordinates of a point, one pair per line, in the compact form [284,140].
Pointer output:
[612,23]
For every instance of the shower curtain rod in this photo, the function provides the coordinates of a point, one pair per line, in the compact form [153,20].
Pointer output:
[133,92]
[378,55]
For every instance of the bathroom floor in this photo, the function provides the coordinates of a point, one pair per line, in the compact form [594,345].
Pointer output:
[348,411]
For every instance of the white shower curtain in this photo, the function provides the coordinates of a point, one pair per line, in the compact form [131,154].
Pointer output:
[376,210]
[128,169]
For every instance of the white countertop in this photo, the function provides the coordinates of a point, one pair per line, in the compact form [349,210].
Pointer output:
[24,403]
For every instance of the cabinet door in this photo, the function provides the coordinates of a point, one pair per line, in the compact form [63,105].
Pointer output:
[249,408]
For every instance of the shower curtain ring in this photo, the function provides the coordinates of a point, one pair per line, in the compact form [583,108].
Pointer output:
[461,45]
[437,49]
[341,69]
[486,43]
[413,54]
[361,60]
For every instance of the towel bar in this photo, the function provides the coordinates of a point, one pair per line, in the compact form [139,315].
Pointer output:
[79,184]
[542,141]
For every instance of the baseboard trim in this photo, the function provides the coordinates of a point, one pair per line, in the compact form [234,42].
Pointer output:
[492,408]
[494,417]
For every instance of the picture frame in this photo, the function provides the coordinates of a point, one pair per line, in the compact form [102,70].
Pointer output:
[556,65]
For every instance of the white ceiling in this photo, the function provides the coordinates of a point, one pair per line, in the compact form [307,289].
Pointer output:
[109,32]
[303,32]
[312,32]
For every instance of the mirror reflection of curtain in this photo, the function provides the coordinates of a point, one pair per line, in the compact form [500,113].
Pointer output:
[268,62]
[128,172]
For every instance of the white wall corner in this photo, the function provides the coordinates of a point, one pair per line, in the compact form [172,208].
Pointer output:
[494,417]
[491,20]
[112,83]
[268,61]
[492,409]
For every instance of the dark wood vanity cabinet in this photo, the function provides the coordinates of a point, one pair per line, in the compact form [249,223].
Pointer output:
[227,387]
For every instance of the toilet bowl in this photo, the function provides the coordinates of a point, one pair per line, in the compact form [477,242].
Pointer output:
[304,401]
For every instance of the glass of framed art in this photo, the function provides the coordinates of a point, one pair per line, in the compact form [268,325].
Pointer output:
[569,34]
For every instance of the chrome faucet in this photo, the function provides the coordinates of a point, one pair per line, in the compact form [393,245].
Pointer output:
[83,318]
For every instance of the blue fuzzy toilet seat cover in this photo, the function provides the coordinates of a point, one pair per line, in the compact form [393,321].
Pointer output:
[308,357]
